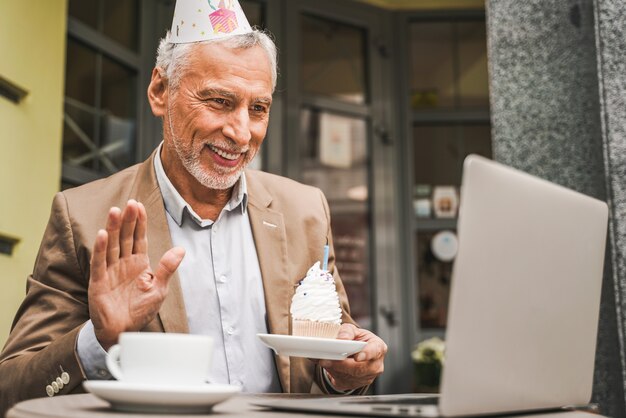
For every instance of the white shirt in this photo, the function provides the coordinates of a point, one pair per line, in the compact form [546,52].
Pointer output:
[222,289]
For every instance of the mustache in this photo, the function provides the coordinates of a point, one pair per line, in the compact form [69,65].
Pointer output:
[226,146]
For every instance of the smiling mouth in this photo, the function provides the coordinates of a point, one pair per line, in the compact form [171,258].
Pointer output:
[224,154]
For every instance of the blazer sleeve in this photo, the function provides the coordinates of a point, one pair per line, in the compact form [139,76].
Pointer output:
[343,301]
[41,345]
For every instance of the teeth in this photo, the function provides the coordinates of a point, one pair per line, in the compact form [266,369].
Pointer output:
[224,154]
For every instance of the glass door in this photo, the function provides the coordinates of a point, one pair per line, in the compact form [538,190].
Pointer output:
[449,103]
[445,84]
[334,89]
[333,143]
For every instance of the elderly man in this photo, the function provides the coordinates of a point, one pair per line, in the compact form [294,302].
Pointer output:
[241,242]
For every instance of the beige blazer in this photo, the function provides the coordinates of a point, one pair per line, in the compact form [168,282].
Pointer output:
[290,224]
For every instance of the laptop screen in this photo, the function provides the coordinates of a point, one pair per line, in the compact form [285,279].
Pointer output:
[525,294]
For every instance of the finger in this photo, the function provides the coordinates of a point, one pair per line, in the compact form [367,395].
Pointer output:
[98,257]
[127,232]
[342,381]
[350,367]
[141,231]
[113,231]
[168,264]
[347,332]
[342,384]
[374,350]
[339,365]
[361,378]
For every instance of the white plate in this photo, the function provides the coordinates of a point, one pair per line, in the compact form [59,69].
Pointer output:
[310,347]
[161,399]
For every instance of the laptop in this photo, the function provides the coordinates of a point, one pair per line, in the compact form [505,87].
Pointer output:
[524,303]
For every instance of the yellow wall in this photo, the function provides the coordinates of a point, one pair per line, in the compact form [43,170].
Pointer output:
[32,55]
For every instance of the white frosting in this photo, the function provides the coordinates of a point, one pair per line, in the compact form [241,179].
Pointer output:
[316,298]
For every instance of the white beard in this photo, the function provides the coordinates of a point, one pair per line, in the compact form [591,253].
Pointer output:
[214,180]
[191,161]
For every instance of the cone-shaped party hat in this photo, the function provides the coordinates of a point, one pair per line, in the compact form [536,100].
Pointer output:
[202,20]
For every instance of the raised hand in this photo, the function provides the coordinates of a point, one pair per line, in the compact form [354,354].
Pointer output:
[124,293]
[360,369]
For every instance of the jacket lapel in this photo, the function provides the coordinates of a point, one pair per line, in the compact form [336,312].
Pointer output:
[268,230]
[172,314]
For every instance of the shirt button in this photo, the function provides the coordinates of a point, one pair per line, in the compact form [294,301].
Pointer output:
[49,391]
[102,373]
[223,279]
[230,331]
[65,377]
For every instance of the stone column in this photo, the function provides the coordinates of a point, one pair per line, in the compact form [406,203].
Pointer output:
[610,25]
[548,117]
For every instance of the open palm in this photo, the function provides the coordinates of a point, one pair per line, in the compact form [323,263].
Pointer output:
[124,293]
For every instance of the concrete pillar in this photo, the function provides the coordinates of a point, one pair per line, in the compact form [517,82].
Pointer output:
[548,117]
[610,18]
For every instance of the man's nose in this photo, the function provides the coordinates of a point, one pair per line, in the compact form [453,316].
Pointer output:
[237,126]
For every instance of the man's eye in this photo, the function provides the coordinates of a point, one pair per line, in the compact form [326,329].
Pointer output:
[219,101]
[259,108]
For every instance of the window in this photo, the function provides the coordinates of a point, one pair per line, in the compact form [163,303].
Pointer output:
[101,89]
[449,112]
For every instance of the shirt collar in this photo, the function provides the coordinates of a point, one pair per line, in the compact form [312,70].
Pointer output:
[176,206]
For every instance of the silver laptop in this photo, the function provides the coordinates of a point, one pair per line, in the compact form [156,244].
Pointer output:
[524,302]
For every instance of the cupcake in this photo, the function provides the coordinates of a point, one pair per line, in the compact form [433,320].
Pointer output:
[315,310]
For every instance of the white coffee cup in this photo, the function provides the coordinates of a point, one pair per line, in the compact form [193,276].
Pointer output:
[161,358]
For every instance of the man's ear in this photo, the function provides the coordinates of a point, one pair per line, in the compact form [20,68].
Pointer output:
[157,93]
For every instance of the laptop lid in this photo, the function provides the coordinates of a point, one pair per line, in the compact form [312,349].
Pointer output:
[525,295]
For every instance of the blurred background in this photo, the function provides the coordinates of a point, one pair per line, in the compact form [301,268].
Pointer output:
[377,103]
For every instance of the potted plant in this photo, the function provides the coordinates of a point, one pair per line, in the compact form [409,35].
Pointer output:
[428,359]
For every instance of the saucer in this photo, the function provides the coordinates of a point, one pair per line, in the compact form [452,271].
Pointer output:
[136,397]
[311,347]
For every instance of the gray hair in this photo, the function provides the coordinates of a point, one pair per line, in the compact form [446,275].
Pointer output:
[174,58]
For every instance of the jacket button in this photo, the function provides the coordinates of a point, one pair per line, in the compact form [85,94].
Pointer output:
[65,377]
[59,382]
[49,390]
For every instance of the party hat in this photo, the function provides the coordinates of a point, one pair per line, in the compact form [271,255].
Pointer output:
[203,20]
